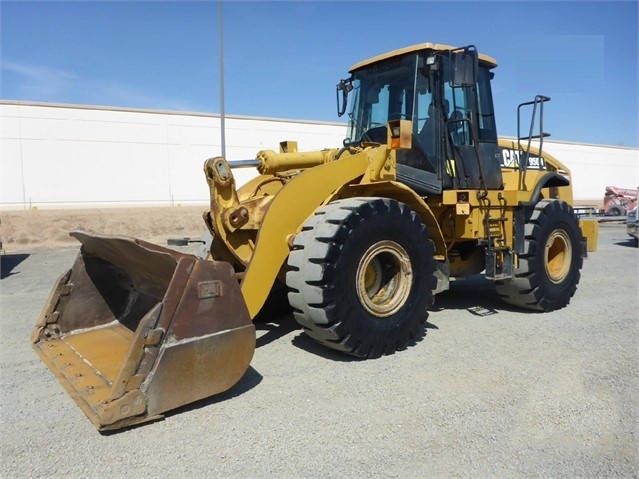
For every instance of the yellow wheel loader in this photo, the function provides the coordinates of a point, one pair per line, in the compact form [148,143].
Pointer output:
[361,237]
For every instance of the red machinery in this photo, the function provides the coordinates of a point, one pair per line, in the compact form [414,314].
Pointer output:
[618,201]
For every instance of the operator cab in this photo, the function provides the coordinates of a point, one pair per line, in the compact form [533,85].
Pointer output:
[445,92]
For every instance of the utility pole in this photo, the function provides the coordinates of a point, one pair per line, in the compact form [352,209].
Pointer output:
[221,42]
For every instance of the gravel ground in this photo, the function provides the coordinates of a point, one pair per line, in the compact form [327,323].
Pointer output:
[488,392]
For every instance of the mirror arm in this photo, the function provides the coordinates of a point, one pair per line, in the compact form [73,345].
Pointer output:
[345,86]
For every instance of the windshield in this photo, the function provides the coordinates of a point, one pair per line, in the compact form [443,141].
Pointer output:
[386,91]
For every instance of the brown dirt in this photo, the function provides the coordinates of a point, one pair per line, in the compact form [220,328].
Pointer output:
[46,229]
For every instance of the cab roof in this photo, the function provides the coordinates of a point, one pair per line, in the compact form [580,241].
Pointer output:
[415,48]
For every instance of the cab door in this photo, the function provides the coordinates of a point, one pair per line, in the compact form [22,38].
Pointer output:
[473,157]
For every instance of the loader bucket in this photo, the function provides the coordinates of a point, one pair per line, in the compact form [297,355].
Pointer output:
[133,330]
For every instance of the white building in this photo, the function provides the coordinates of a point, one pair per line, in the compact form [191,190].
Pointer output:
[66,155]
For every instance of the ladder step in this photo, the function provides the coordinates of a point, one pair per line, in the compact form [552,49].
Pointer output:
[534,137]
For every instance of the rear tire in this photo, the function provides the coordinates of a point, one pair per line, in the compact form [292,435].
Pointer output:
[361,276]
[549,269]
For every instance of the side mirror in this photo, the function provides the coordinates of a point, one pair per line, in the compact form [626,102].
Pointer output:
[464,65]
[345,86]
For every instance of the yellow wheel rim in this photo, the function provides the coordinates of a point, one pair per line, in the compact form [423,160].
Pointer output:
[384,278]
[558,256]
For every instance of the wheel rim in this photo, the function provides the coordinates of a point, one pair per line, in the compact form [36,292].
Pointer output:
[558,256]
[384,278]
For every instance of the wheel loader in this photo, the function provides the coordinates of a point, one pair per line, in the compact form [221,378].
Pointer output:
[358,239]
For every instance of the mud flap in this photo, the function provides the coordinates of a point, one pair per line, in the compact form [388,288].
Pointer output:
[133,330]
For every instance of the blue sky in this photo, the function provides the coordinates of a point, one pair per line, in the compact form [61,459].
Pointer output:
[283,58]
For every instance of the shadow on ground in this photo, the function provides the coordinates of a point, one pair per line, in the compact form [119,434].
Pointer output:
[630,243]
[278,327]
[275,329]
[476,295]
[250,380]
[8,262]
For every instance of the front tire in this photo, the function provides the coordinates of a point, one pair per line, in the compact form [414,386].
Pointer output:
[616,210]
[549,269]
[361,276]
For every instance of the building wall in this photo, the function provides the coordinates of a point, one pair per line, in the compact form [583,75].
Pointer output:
[593,167]
[64,155]
[60,155]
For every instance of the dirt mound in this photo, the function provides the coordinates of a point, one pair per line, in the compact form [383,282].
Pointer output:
[45,229]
